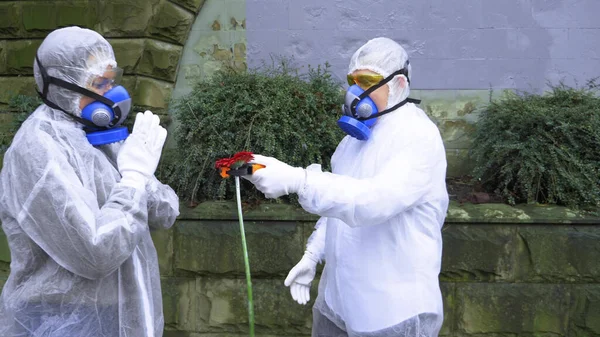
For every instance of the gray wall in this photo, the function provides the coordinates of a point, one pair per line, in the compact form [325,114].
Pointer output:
[466,44]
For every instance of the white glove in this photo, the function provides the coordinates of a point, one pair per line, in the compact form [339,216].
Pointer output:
[300,278]
[277,178]
[139,155]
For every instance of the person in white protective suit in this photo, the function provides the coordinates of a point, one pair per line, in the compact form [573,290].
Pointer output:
[382,208]
[78,217]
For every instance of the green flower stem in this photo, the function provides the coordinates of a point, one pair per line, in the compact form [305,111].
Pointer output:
[246,260]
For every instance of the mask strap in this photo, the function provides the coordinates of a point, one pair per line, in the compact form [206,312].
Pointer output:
[403,71]
[47,80]
[408,100]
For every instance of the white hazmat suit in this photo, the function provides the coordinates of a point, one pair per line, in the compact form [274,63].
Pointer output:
[77,217]
[382,207]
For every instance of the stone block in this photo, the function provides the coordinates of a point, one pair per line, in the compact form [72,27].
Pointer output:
[216,248]
[20,55]
[128,53]
[163,241]
[171,22]
[3,56]
[10,20]
[125,18]
[152,93]
[584,318]
[176,333]
[479,253]
[449,298]
[181,307]
[129,82]
[41,17]
[227,210]
[562,254]
[211,305]
[518,309]
[192,5]
[16,85]
[160,60]
[275,310]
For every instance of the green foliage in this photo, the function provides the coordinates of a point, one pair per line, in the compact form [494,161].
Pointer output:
[19,107]
[542,148]
[274,111]
[23,104]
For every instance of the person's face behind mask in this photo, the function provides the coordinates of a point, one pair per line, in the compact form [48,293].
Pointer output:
[101,84]
[365,79]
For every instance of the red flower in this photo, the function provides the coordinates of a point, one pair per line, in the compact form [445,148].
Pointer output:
[244,156]
[238,159]
[225,162]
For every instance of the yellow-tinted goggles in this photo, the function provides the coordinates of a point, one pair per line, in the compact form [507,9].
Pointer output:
[365,81]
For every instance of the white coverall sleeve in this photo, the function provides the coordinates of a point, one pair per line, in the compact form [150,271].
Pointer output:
[163,205]
[316,242]
[401,183]
[63,217]
[163,202]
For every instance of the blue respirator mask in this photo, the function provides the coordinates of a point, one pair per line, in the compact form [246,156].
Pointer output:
[103,117]
[359,110]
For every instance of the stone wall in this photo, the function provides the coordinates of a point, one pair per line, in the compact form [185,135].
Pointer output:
[506,271]
[147,36]
[163,45]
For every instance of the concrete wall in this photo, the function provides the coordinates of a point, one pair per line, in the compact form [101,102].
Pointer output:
[462,52]
[466,44]
[217,39]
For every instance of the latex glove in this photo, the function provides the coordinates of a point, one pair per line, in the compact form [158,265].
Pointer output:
[139,155]
[277,178]
[300,278]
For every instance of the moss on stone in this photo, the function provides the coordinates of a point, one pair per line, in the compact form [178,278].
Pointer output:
[10,20]
[171,22]
[160,60]
[20,55]
[128,53]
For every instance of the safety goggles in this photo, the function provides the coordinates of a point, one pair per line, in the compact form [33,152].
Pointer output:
[110,79]
[364,81]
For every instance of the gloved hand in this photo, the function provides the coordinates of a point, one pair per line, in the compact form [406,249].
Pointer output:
[139,155]
[300,278]
[277,178]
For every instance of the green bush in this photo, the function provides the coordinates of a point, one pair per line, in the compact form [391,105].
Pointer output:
[275,111]
[542,148]
[19,107]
